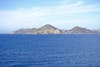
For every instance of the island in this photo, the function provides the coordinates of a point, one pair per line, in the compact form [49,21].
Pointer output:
[50,29]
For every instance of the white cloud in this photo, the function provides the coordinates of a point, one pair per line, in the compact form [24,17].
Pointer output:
[42,15]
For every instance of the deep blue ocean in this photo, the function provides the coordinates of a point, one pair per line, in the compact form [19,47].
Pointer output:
[76,50]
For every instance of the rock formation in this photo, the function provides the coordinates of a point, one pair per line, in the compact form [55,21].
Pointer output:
[49,29]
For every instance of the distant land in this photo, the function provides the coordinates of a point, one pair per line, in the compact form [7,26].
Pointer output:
[49,29]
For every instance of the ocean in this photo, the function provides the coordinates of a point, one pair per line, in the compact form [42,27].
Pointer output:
[70,50]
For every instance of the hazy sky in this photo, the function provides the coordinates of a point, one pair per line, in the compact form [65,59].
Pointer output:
[64,14]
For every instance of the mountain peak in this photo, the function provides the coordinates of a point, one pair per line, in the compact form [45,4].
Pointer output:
[48,26]
[82,30]
[77,27]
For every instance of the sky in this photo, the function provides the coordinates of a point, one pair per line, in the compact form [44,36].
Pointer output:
[63,14]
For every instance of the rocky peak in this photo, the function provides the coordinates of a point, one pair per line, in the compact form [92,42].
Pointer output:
[78,30]
[47,26]
[48,29]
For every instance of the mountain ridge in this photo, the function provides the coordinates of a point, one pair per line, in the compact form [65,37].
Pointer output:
[50,29]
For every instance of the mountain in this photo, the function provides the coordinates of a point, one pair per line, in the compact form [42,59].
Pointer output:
[26,31]
[98,31]
[49,29]
[46,29]
[80,30]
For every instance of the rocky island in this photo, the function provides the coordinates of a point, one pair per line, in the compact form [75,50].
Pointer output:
[49,29]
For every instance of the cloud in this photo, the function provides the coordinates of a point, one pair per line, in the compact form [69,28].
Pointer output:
[28,17]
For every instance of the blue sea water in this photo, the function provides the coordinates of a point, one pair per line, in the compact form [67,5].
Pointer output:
[50,50]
